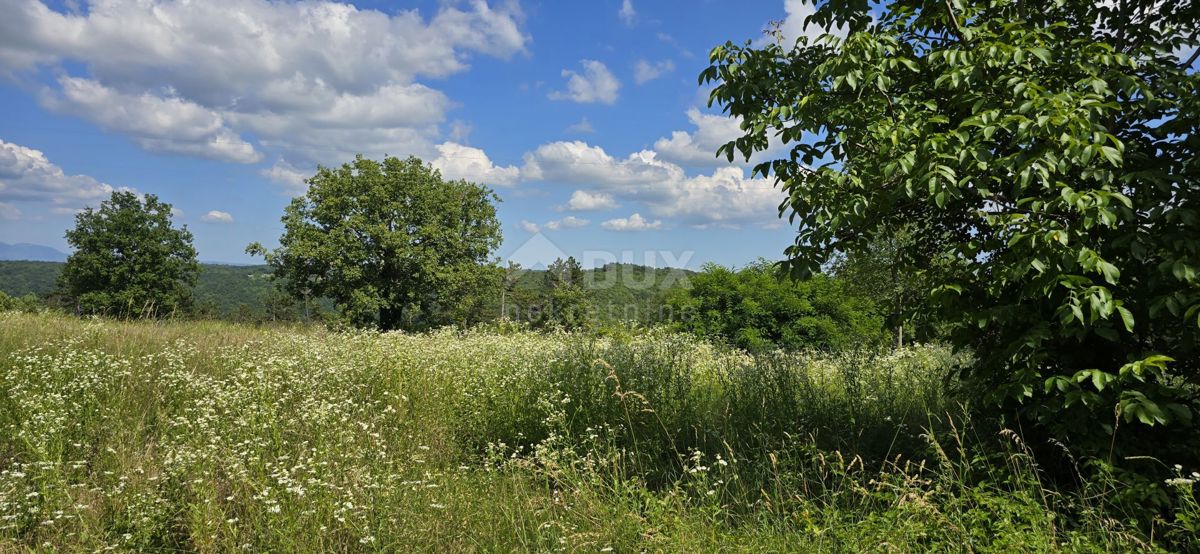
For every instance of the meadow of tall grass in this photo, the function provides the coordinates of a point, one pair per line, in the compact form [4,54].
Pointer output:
[215,437]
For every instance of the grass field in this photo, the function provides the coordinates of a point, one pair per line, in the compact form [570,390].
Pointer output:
[215,437]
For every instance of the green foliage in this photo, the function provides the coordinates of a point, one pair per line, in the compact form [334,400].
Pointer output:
[224,287]
[564,302]
[129,261]
[756,309]
[27,303]
[880,272]
[18,278]
[1043,156]
[624,292]
[391,242]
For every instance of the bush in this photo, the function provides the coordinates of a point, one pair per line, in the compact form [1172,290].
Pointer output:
[756,310]
[28,303]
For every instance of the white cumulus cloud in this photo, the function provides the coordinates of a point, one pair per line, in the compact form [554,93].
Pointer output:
[584,201]
[312,81]
[724,197]
[634,222]
[698,147]
[156,123]
[456,161]
[569,222]
[289,176]
[217,216]
[27,176]
[595,84]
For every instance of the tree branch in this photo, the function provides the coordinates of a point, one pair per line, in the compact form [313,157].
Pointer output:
[1191,59]
[954,19]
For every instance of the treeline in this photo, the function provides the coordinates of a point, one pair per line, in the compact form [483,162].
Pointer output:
[247,293]
[393,245]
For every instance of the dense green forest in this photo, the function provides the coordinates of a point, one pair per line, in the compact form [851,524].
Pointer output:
[619,292]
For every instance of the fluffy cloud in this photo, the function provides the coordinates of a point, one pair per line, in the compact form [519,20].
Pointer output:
[156,123]
[583,201]
[288,175]
[26,175]
[251,42]
[644,71]
[698,148]
[578,162]
[217,216]
[595,84]
[456,161]
[724,197]
[627,13]
[316,80]
[634,222]
[569,222]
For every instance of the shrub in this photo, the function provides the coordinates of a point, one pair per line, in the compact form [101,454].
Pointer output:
[755,309]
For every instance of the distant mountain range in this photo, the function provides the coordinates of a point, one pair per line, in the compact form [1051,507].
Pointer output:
[31,252]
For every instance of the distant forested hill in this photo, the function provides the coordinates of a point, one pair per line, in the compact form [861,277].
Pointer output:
[21,278]
[618,291]
[226,287]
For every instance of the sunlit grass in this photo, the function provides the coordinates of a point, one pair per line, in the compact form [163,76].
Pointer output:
[214,437]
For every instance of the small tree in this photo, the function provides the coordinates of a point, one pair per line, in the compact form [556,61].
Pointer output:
[512,277]
[392,243]
[129,261]
[565,302]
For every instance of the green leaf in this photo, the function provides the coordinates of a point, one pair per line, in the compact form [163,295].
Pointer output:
[1126,318]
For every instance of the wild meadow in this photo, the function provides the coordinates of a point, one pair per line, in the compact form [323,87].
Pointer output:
[213,437]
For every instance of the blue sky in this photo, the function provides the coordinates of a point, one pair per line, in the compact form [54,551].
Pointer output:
[584,116]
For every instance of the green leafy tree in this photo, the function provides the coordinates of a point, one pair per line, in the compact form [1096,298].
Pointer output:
[1044,152]
[129,261]
[757,309]
[565,302]
[512,278]
[392,243]
[880,272]
[278,306]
